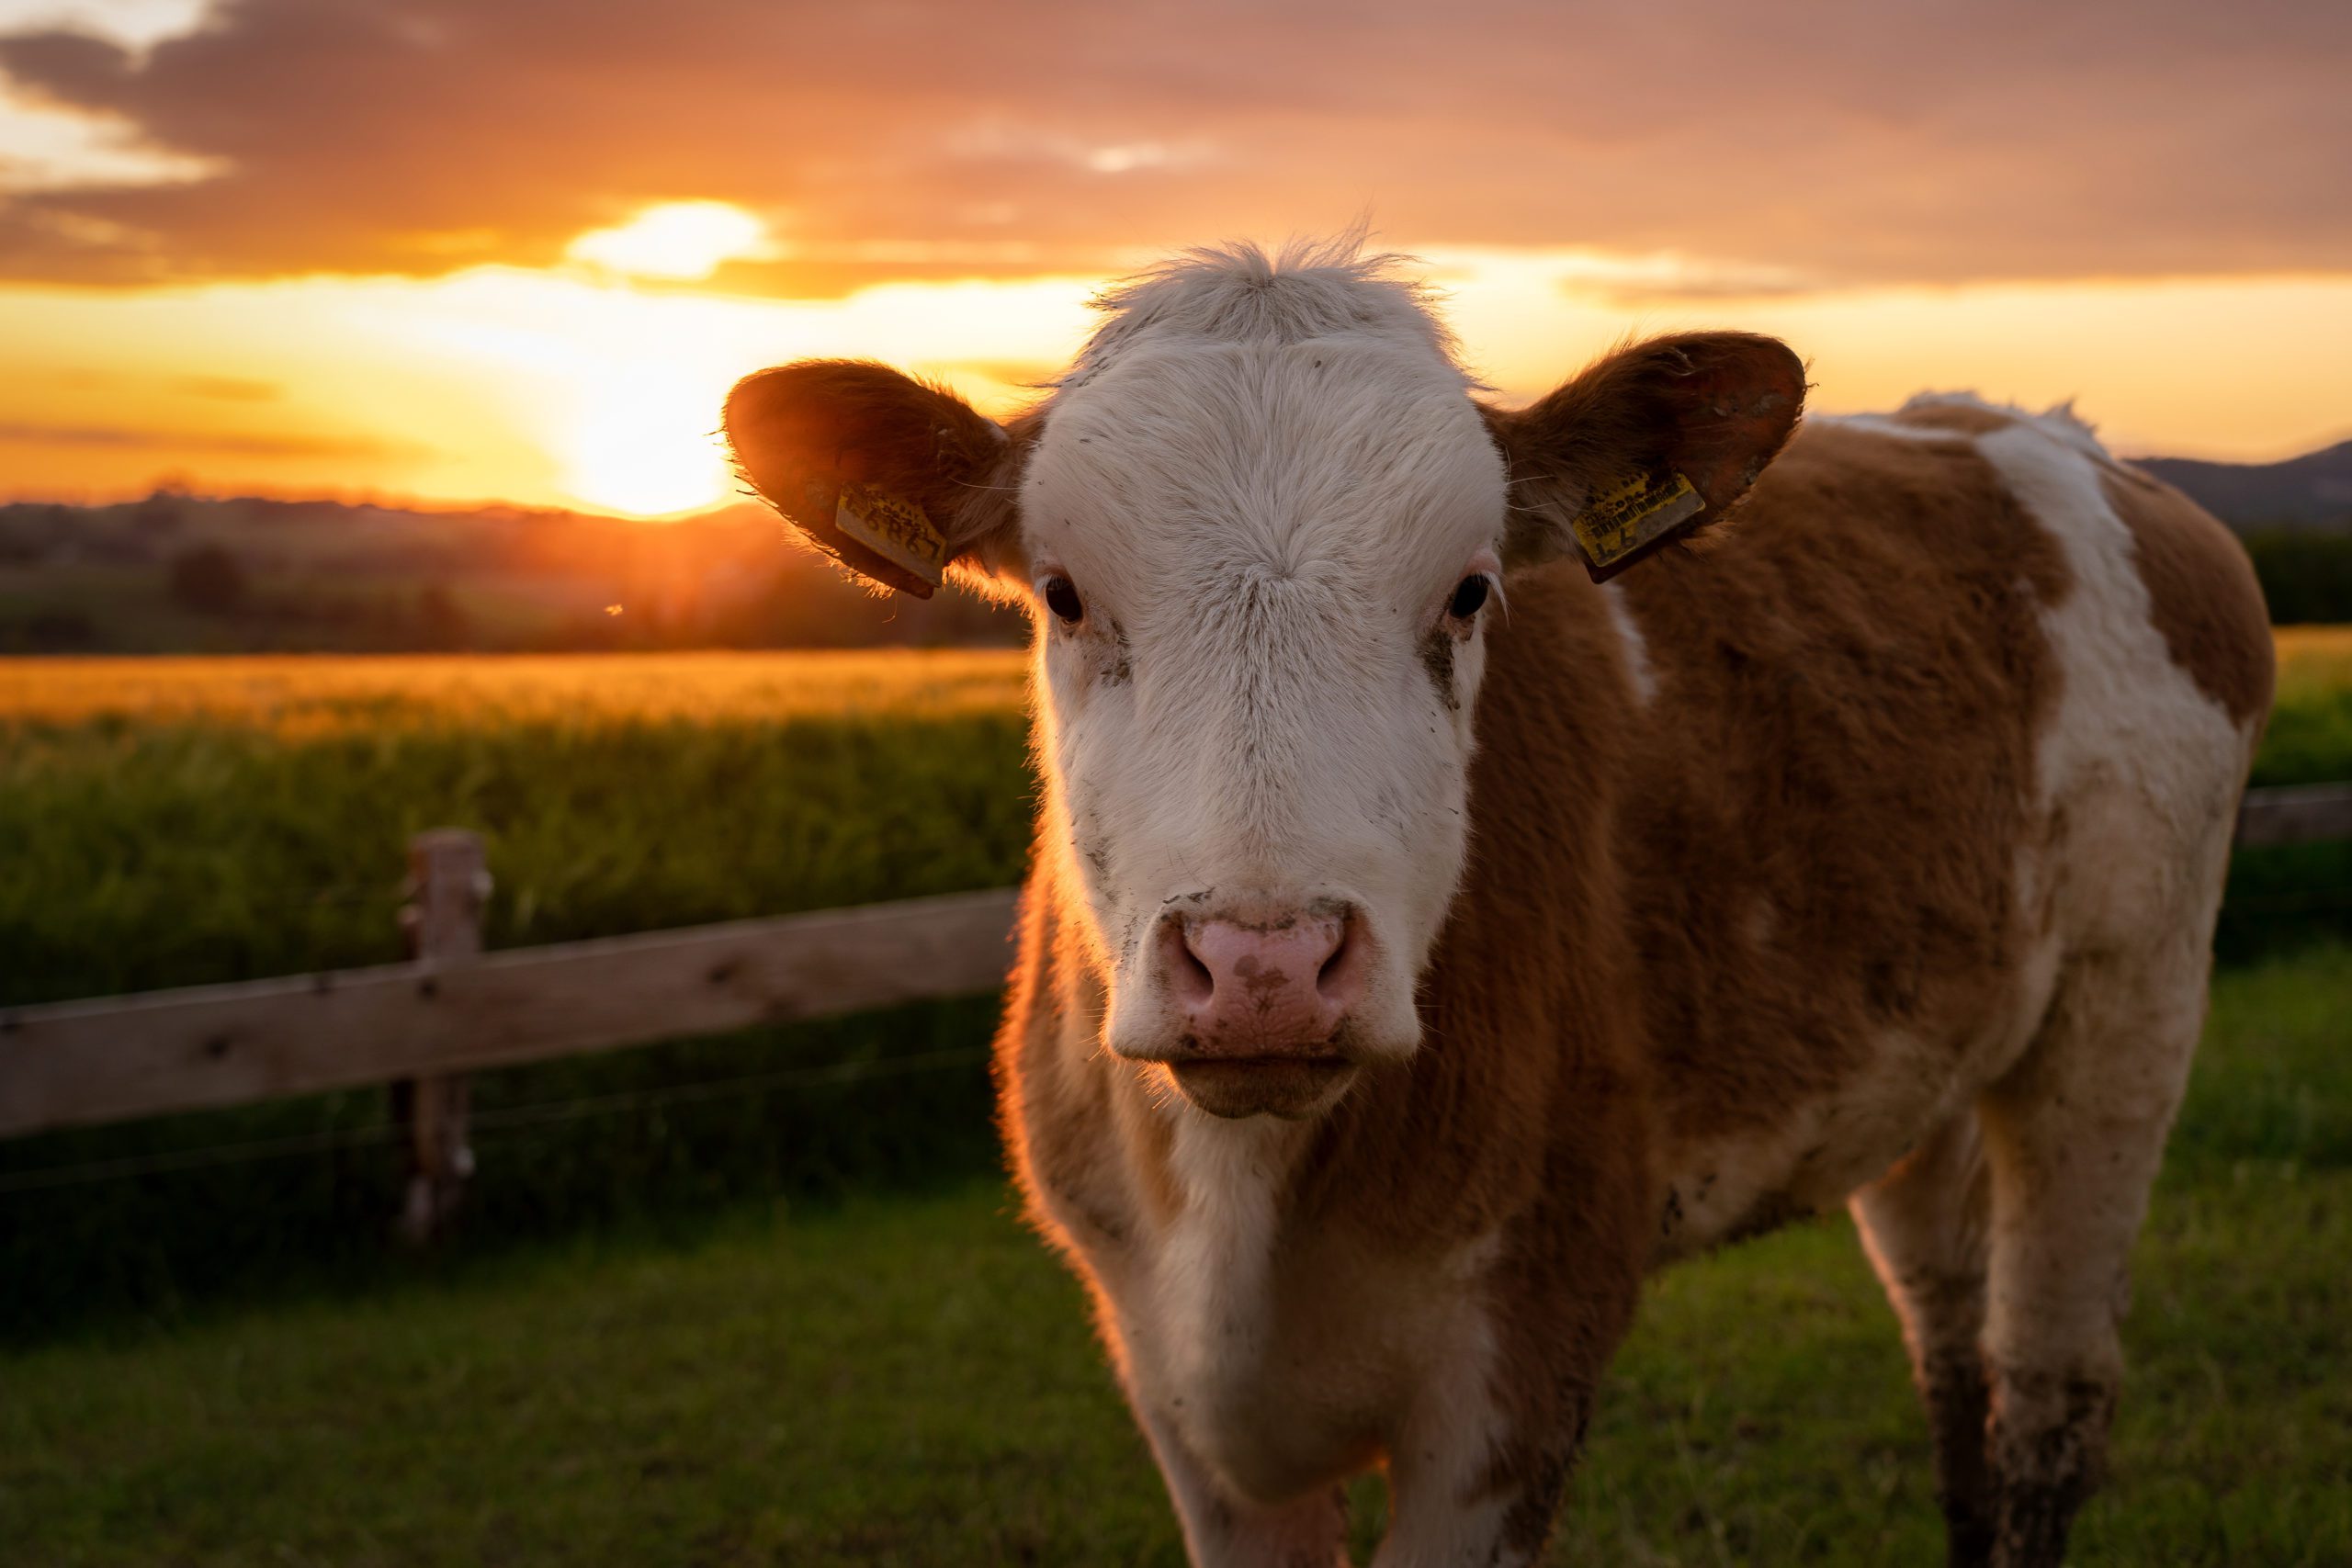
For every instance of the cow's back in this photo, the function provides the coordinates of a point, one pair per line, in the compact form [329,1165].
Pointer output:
[1955,695]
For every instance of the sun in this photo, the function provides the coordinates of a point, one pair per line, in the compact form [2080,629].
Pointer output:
[643,446]
[681,241]
[650,479]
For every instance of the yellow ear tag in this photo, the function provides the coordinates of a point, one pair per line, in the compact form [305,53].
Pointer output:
[895,530]
[1623,523]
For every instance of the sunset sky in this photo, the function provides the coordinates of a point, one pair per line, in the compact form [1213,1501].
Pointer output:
[460,250]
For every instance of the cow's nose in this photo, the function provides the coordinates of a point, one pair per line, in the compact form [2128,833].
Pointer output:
[1266,987]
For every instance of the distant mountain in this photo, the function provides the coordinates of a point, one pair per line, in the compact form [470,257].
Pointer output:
[177,573]
[2311,492]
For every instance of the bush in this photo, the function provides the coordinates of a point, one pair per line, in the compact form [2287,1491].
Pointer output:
[2306,576]
[209,581]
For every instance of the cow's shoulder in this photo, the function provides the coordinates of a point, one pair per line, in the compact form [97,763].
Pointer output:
[1832,781]
[2203,598]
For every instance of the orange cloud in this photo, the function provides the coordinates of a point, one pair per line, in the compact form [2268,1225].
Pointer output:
[143,438]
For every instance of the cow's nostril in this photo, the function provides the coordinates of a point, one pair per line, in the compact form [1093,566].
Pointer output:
[1187,976]
[1341,980]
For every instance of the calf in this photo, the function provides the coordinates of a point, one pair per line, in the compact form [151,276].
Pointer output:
[1426,939]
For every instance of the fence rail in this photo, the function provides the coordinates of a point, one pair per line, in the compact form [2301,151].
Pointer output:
[2295,813]
[72,1064]
[423,1025]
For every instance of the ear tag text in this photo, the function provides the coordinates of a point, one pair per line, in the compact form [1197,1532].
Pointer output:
[895,530]
[1627,522]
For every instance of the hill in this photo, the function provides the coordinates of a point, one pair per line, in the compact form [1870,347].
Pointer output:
[2313,492]
[197,574]
[182,573]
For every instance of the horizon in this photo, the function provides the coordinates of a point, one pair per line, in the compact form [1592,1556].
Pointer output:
[739,500]
[469,256]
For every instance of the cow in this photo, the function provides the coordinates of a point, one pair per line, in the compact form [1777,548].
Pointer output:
[1487,854]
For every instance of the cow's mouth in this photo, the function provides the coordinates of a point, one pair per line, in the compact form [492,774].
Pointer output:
[1292,1088]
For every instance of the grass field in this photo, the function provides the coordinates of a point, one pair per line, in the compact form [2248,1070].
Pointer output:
[911,1382]
[181,820]
[176,821]
[2310,738]
[636,1352]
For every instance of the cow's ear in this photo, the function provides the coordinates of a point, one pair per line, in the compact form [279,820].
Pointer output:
[1649,444]
[898,480]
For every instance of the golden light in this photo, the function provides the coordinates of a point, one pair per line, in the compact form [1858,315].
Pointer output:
[645,449]
[681,241]
[567,388]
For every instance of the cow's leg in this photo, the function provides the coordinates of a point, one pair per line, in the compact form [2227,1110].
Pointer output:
[1478,1465]
[1482,1453]
[1924,1224]
[2072,1138]
[1222,1530]
[1465,1487]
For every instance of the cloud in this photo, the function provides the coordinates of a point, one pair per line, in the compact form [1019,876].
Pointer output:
[130,438]
[229,389]
[1842,143]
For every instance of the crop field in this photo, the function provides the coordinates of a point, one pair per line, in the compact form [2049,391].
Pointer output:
[2310,738]
[177,821]
[911,1382]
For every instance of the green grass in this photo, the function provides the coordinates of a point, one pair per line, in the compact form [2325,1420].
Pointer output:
[170,822]
[2309,739]
[629,1355]
[604,1144]
[175,821]
[912,1381]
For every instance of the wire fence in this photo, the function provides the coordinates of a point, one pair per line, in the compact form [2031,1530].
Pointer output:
[498,1119]
[2264,905]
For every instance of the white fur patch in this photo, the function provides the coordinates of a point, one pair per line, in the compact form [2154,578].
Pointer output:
[2145,765]
[1209,1297]
[1629,636]
[1881,425]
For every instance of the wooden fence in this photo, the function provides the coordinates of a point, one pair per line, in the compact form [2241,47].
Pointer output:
[424,1024]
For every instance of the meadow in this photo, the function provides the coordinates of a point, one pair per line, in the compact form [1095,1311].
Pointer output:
[175,821]
[710,1305]
[170,822]
[910,1381]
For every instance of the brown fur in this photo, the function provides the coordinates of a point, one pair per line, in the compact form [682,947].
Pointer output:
[1821,675]
[2202,590]
[1849,688]
[1694,925]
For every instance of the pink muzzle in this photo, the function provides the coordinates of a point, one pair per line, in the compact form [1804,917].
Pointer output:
[1277,986]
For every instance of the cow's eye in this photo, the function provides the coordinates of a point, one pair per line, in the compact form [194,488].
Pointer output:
[1061,598]
[1469,597]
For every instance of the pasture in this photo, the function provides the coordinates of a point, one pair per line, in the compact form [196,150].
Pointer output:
[175,821]
[796,1323]
[912,1381]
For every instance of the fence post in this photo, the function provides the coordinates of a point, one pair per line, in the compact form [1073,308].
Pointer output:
[448,888]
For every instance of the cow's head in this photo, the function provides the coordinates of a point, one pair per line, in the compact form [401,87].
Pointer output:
[1260,527]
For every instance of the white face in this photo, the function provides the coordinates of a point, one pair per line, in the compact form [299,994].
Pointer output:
[1260,721]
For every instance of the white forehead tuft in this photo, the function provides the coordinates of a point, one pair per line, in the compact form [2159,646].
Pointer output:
[1242,415]
[1307,291]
